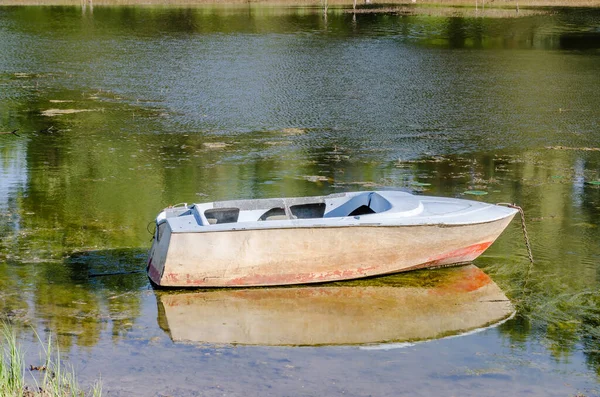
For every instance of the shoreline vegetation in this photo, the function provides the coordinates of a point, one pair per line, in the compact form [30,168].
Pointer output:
[49,379]
[362,5]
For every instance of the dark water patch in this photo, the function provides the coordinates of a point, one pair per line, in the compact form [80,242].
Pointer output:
[115,269]
[580,41]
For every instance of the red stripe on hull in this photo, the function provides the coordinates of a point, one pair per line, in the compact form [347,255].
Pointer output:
[466,254]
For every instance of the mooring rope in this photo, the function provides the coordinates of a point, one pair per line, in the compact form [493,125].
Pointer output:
[526,237]
[148,227]
[523,226]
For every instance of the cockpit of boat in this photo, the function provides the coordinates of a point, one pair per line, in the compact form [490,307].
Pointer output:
[277,209]
[294,208]
[388,207]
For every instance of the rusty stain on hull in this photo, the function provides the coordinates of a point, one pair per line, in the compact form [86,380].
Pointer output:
[460,255]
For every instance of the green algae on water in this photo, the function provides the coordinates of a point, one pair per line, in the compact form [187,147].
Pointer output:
[475,192]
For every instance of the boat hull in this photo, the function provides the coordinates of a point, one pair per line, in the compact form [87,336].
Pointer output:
[285,256]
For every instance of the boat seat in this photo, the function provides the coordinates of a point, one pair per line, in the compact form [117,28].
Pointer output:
[362,210]
[274,214]
[276,218]
[222,215]
[308,211]
[362,204]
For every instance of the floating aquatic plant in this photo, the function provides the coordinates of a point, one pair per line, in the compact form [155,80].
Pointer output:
[475,192]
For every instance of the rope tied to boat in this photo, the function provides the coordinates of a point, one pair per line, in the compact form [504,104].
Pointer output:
[152,222]
[526,237]
[523,227]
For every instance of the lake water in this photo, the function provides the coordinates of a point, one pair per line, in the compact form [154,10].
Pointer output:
[122,111]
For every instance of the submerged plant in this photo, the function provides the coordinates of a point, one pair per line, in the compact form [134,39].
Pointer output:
[57,381]
[548,306]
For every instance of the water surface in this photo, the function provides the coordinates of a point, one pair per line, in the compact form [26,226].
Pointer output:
[122,111]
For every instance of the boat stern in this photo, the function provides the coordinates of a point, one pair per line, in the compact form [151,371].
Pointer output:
[158,252]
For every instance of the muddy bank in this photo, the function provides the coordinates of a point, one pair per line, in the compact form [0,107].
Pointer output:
[316,3]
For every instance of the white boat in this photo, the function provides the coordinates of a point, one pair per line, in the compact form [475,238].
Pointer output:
[282,241]
[393,309]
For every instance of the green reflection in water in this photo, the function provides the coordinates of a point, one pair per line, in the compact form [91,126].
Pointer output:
[78,189]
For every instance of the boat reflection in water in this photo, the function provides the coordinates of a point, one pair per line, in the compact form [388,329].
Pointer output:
[408,307]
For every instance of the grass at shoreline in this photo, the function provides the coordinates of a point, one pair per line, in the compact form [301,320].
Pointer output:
[51,379]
